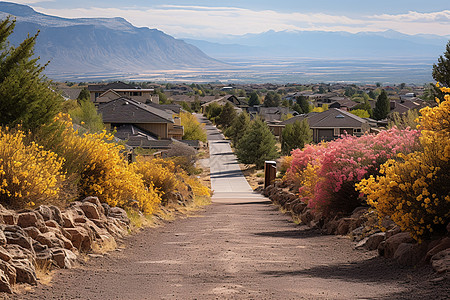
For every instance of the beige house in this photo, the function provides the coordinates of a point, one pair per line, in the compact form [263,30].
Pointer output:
[101,93]
[158,122]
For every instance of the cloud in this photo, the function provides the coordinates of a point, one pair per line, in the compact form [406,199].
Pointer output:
[206,21]
[31,1]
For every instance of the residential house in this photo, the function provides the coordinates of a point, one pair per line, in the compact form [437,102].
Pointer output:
[157,122]
[332,123]
[101,93]
[237,103]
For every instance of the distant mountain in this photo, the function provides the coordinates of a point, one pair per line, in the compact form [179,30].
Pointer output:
[321,44]
[101,45]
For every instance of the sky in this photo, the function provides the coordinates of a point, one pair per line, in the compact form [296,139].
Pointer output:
[211,18]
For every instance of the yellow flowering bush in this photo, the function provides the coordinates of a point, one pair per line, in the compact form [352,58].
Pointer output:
[29,175]
[97,166]
[414,189]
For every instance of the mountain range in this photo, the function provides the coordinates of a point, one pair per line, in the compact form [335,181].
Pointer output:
[321,44]
[101,45]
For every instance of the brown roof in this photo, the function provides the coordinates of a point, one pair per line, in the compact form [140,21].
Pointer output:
[332,118]
[127,111]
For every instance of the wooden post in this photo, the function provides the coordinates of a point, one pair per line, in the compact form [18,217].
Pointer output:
[270,172]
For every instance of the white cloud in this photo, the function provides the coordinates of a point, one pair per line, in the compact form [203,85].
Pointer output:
[203,21]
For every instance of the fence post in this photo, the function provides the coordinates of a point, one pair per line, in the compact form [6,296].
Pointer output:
[270,172]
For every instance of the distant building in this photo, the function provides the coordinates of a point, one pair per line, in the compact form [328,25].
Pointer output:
[101,93]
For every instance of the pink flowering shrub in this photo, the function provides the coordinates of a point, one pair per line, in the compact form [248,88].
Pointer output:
[327,172]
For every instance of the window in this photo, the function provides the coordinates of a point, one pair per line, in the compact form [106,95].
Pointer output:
[336,132]
[357,130]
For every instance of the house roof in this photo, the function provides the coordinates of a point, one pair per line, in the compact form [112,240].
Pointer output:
[127,111]
[169,108]
[133,132]
[332,118]
[70,93]
[110,86]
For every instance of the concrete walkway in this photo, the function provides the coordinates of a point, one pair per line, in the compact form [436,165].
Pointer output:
[227,181]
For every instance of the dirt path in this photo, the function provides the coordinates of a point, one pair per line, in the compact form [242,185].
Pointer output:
[240,247]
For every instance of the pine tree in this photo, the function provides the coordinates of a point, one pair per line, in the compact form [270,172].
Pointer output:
[227,115]
[25,93]
[382,106]
[254,99]
[295,136]
[238,128]
[441,70]
[257,145]
[304,104]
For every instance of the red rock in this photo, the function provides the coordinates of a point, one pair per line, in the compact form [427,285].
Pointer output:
[30,219]
[441,245]
[441,261]
[80,238]
[5,286]
[52,223]
[50,240]
[4,255]
[33,232]
[9,218]
[394,241]
[408,254]
[25,271]
[90,210]
[9,271]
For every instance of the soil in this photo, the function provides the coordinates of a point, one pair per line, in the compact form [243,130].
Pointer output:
[240,251]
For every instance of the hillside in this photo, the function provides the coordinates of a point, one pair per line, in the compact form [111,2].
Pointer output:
[101,45]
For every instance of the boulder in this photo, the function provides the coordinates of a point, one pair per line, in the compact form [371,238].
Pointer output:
[90,210]
[45,212]
[64,258]
[17,252]
[347,225]
[25,271]
[298,208]
[28,219]
[67,219]
[441,245]
[52,223]
[32,232]
[97,203]
[5,286]
[371,242]
[3,240]
[9,218]
[50,239]
[307,216]
[394,241]
[20,238]
[56,215]
[80,238]
[4,255]
[441,261]
[43,254]
[106,208]
[359,212]
[9,271]
[408,254]
[119,214]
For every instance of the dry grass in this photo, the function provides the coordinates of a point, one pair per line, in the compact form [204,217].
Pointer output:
[44,272]
[255,177]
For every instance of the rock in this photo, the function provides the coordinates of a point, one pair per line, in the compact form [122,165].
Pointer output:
[80,220]
[381,248]
[68,221]
[408,254]
[372,242]
[394,241]
[32,232]
[106,209]
[4,255]
[393,231]
[9,271]
[331,226]
[52,223]
[20,238]
[64,258]
[307,217]
[298,208]
[9,218]
[441,261]
[25,271]
[5,286]
[2,238]
[80,238]
[347,225]
[50,240]
[43,254]
[120,214]
[98,204]
[359,211]
[90,210]
[30,219]
[56,215]
[18,252]
[45,212]
[441,245]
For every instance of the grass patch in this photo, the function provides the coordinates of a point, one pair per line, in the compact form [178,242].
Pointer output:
[44,272]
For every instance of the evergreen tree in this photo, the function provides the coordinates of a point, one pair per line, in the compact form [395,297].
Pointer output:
[84,95]
[272,99]
[257,145]
[25,94]
[441,70]
[238,128]
[304,104]
[227,115]
[295,136]
[297,108]
[382,106]
[254,99]
[87,116]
